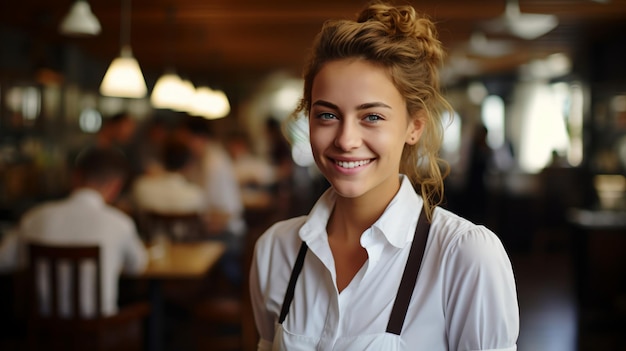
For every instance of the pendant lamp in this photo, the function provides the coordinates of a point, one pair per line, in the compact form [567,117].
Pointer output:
[170,92]
[124,77]
[527,26]
[480,46]
[80,21]
[209,103]
[167,91]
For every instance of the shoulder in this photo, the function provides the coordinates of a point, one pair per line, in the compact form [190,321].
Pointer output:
[279,244]
[39,211]
[478,285]
[465,242]
[119,219]
[279,240]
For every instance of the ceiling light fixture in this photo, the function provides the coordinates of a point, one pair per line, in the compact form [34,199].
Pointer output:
[124,77]
[80,21]
[523,25]
[479,45]
[169,91]
[187,91]
[209,103]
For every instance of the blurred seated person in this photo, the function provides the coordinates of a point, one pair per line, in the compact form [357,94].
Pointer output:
[168,191]
[118,132]
[155,133]
[280,156]
[255,175]
[86,217]
[213,171]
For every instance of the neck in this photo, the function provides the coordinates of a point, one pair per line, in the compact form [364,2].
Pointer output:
[352,216]
[107,190]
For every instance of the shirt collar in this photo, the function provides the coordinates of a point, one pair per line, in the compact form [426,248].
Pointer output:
[396,224]
[399,220]
[315,224]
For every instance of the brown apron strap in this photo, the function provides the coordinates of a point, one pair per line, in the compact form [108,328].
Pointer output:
[407,284]
[297,268]
[409,277]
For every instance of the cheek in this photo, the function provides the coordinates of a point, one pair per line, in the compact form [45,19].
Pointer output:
[318,142]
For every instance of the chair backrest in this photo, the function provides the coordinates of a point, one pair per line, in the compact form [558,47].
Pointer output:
[177,227]
[47,260]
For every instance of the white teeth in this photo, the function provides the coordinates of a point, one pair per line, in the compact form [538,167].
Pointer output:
[352,164]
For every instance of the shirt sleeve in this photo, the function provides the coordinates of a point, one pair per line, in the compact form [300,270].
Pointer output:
[135,254]
[481,298]
[221,184]
[264,320]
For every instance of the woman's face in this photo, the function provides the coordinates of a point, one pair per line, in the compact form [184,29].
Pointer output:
[359,125]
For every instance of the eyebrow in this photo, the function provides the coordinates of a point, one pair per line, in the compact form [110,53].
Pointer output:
[360,107]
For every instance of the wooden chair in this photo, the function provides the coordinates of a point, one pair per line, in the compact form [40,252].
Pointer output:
[53,330]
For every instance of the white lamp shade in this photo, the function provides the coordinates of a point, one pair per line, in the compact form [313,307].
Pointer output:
[168,92]
[222,106]
[202,102]
[531,26]
[124,77]
[528,26]
[209,103]
[80,21]
[187,92]
[479,45]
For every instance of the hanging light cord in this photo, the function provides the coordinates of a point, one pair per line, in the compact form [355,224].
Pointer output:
[171,36]
[125,23]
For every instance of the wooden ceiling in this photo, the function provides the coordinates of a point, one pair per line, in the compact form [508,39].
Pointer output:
[234,39]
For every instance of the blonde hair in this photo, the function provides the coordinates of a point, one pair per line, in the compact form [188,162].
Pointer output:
[406,45]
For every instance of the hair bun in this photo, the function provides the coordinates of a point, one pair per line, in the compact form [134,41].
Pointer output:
[404,22]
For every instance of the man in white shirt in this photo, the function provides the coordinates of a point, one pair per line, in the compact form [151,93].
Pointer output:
[215,173]
[168,191]
[86,218]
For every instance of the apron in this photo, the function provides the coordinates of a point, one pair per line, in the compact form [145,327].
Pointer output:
[390,340]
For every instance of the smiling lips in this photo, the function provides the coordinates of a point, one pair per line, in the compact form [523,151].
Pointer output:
[352,164]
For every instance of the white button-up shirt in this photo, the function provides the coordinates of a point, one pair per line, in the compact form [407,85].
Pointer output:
[85,219]
[465,297]
[169,193]
[221,188]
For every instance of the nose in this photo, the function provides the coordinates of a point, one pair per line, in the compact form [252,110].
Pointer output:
[348,136]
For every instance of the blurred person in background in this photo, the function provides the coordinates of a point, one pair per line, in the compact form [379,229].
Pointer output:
[119,132]
[168,191]
[255,175]
[86,217]
[476,194]
[280,158]
[213,171]
[155,132]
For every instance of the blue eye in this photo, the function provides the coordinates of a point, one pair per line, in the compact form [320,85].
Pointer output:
[326,116]
[373,118]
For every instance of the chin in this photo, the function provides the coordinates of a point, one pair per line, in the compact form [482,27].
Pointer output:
[349,191]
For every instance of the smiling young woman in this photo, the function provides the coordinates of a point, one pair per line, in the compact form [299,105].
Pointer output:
[376,264]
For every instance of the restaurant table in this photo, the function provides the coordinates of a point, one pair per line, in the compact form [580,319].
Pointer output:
[174,261]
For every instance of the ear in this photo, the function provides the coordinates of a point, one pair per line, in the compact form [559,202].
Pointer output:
[415,128]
